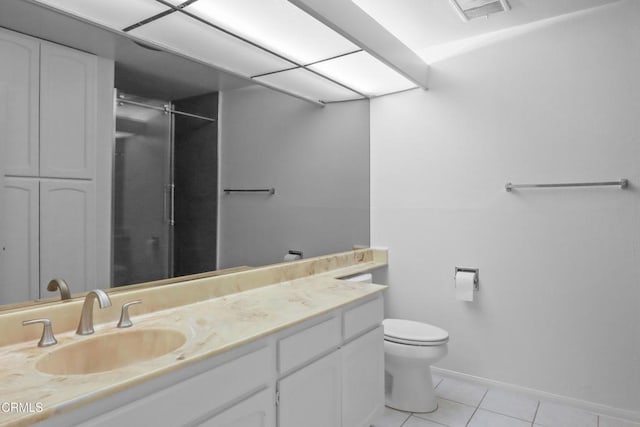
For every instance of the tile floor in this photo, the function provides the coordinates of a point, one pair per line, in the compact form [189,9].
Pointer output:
[464,404]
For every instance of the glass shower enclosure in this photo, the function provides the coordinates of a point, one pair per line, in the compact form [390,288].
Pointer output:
[143,189]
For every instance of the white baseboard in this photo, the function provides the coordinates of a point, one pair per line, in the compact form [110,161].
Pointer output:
[543,395]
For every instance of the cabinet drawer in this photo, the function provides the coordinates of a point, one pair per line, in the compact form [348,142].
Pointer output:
[194,397]
[307,344]
[363,317]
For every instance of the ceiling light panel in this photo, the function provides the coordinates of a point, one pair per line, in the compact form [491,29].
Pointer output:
[276,25]
[116,14]
[190,37]
[364,73]
[308,85]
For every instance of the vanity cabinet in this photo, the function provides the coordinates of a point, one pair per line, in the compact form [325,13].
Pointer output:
[50,97]
[344,386]
[307,375]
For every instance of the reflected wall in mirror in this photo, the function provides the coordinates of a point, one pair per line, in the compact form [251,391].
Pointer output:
[56,213]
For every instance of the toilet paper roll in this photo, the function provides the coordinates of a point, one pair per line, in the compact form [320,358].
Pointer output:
[291,257]
[464,285]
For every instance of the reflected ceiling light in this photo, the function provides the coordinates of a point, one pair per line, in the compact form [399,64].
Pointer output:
[363,72]
[116,14]
[187,36]
[309,85]
[277,25]
[353,23]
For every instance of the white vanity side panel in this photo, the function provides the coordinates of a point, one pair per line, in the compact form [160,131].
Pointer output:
[363,317]
[304,346]
[188,400]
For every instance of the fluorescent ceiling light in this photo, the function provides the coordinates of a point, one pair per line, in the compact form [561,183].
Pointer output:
[308,85]
[116,14]
[276,25]
[192,38]
[364,73]
[264,40]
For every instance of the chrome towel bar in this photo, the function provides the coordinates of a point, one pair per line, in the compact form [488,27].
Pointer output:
[623,183]
[271,191]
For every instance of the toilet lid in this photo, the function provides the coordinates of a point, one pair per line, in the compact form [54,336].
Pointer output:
[410,332]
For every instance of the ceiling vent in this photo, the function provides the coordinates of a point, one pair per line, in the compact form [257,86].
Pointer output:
[470,9]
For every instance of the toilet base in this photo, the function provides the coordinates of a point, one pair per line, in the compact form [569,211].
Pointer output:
[415,391]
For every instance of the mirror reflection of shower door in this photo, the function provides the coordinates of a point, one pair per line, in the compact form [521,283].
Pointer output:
[142,192]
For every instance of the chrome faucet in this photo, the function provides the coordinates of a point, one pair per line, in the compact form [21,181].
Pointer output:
[60,284]
[85,327]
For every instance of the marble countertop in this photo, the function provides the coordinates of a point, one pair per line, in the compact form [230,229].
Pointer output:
[211,327]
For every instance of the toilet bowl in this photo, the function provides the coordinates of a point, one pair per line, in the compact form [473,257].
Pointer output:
[410,348]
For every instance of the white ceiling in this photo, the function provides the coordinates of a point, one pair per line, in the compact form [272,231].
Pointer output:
[423,25]
[193,58]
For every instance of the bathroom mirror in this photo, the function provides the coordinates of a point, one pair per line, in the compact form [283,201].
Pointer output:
[157,75]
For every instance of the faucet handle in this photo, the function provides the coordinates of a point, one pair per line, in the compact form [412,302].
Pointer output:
[125,322]
[47,338]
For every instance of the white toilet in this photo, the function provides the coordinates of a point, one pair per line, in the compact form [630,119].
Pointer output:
[410,348]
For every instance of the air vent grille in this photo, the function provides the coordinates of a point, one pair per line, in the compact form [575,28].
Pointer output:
[471,9]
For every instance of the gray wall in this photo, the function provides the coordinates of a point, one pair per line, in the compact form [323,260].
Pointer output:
[558,304]
[317,158]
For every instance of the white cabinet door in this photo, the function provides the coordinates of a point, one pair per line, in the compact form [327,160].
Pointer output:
[363,379]
[67,112]
[19,92]
[256,411]
[18,240]
[186,402]
[67,234]
[311,397]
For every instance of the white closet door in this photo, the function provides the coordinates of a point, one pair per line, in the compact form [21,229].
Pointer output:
[68,234]
[18,240]
[67,112]
[19,91]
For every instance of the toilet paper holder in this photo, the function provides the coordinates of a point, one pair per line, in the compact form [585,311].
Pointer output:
[476,273]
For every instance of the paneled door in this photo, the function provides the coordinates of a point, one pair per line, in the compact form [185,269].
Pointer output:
[311,396]
[67,112]
[68,234]
[19,240]
[19,99]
